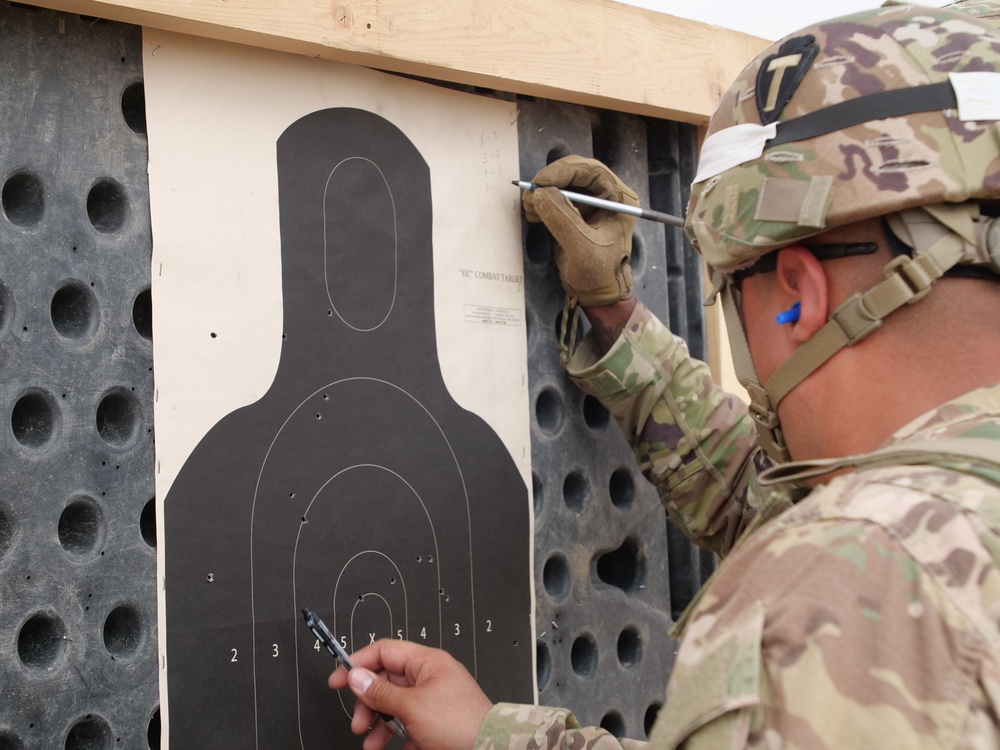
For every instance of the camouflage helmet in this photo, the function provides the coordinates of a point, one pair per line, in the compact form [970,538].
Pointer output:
[988,9]
[886,113]
[850,119]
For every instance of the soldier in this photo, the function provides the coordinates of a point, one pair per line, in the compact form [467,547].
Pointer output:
[845,202]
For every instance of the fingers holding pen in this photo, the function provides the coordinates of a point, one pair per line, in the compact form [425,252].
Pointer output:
[426,688]
[565,221]
[587,175]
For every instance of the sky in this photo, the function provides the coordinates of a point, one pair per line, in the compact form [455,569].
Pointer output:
[768,19]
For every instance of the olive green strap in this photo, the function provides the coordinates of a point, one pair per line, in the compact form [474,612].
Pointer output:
[907,280]
[769,434]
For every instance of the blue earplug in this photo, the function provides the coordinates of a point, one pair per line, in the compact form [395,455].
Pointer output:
[788,316]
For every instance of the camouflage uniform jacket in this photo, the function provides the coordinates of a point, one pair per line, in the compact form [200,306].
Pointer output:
[865,616]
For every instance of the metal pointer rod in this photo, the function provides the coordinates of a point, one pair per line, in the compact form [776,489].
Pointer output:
[622,208]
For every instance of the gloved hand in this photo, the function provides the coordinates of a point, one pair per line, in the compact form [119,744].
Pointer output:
[592,248]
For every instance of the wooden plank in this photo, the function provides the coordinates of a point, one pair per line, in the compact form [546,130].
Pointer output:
[594,52]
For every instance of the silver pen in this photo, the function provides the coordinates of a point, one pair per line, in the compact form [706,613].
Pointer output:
[622,208]
[324,636]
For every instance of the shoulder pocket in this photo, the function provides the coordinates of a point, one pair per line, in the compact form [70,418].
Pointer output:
[713,699]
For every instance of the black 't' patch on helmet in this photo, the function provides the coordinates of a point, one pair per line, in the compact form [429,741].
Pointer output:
[781,74]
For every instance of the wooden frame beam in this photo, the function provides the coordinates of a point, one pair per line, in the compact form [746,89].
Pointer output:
[593,52]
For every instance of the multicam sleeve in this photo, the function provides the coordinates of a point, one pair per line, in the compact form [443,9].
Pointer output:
[510,726]
[865,617]
[694,441]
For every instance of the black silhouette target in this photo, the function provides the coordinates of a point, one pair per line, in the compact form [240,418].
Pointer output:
[354,486]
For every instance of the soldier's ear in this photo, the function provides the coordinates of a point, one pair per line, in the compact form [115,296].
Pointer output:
[801,278]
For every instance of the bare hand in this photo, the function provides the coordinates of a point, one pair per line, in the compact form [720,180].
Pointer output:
[427,689]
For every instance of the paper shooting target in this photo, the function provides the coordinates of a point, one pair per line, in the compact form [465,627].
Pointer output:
[355,486]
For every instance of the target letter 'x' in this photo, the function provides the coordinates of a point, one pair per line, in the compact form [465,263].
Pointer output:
[371,638]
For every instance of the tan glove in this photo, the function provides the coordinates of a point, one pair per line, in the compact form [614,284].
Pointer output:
[592,249]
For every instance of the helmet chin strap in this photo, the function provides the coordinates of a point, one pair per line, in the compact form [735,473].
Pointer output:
[763,413]
[907,279]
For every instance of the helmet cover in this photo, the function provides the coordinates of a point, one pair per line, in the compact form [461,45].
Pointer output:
[849,119]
